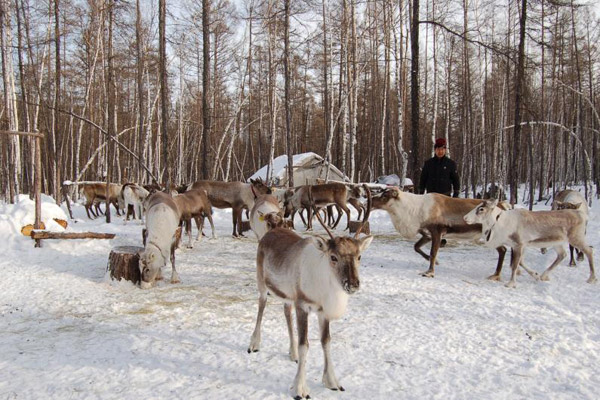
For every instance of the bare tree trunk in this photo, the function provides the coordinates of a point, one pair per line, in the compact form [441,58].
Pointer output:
[519,81]
[206,111]
[288,112]
[353,82]
[110,85]
[414,92]
[140,87]
[164,98]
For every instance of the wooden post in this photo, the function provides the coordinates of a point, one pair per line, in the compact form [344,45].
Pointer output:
[123,263]
[37,178]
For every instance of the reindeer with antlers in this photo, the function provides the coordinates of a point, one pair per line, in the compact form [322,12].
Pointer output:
[311,274]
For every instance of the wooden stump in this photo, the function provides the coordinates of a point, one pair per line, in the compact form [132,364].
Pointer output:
[354,225]
[123,263]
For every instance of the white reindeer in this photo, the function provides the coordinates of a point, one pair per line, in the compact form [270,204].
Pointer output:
[312,274]
[161,238]
[520,228]
[264,205]
[134,195]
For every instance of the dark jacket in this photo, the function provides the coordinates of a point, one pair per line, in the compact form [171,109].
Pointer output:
[439,175]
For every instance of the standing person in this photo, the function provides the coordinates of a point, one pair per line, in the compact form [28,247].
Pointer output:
[439,174]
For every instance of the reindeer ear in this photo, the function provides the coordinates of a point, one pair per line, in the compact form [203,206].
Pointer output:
[492,203]
[261,216]
[151,256]
[576,205]
[394,193]
[320,243]
[364,243]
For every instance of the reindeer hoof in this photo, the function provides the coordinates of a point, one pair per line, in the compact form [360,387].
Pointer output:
[572,265]
[175,281]
[428,274]
[592,279]
[511,285]
[544,278]
[494,278]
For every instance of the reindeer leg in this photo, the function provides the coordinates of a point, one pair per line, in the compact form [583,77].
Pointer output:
[212,225]
[262,302]
[300,388]
[329,379]
[293,352]
[572,262]
[515,260]
[234,216]
[309,219]
[579,254]
[420,243]
[436,239]
[174,274]
[501,254]
[347,211]
[188,230]
[199,219]
[560,255]
[531,272]
[589,253]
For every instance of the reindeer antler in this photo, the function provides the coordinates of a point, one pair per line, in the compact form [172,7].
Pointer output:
[312,204]
[367,211]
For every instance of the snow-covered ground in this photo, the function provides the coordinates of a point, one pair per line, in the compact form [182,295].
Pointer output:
[68,332]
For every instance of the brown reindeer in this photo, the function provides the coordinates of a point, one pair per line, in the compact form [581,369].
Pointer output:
[95,193]
[194,204]
[326,194]
[235,195]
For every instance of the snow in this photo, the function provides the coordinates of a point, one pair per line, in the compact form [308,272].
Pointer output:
[68,331]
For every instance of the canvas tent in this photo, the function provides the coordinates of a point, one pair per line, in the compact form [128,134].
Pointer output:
[307,168]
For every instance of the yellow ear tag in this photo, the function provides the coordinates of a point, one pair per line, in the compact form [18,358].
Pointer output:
[261,218]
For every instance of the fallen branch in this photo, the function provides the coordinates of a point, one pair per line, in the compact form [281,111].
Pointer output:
[70,235]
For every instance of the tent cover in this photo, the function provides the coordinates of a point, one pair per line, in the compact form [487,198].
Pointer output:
[308,167]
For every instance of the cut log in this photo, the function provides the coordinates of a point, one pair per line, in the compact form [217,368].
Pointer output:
[354,225]
[123,263]
[27,229]
[70,235]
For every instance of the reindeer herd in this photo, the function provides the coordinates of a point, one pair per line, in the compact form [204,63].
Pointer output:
[317,274]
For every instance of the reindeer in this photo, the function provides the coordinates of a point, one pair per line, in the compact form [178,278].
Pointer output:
[161,238]
[522,228]
[326,194]
[132,197]
[265,215]
[95,193]
[194,204]
[234,195]
[312,274]
[571,200]
[433,216]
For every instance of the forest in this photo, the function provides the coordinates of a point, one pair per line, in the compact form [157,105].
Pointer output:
[176,91]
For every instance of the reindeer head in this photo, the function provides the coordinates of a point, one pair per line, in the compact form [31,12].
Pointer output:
[259,187]
[344,255]
[272,220]
[150,264]
[565,205]
[482,213]
[385,199]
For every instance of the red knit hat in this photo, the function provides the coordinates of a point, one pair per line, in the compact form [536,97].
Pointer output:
[440,142]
